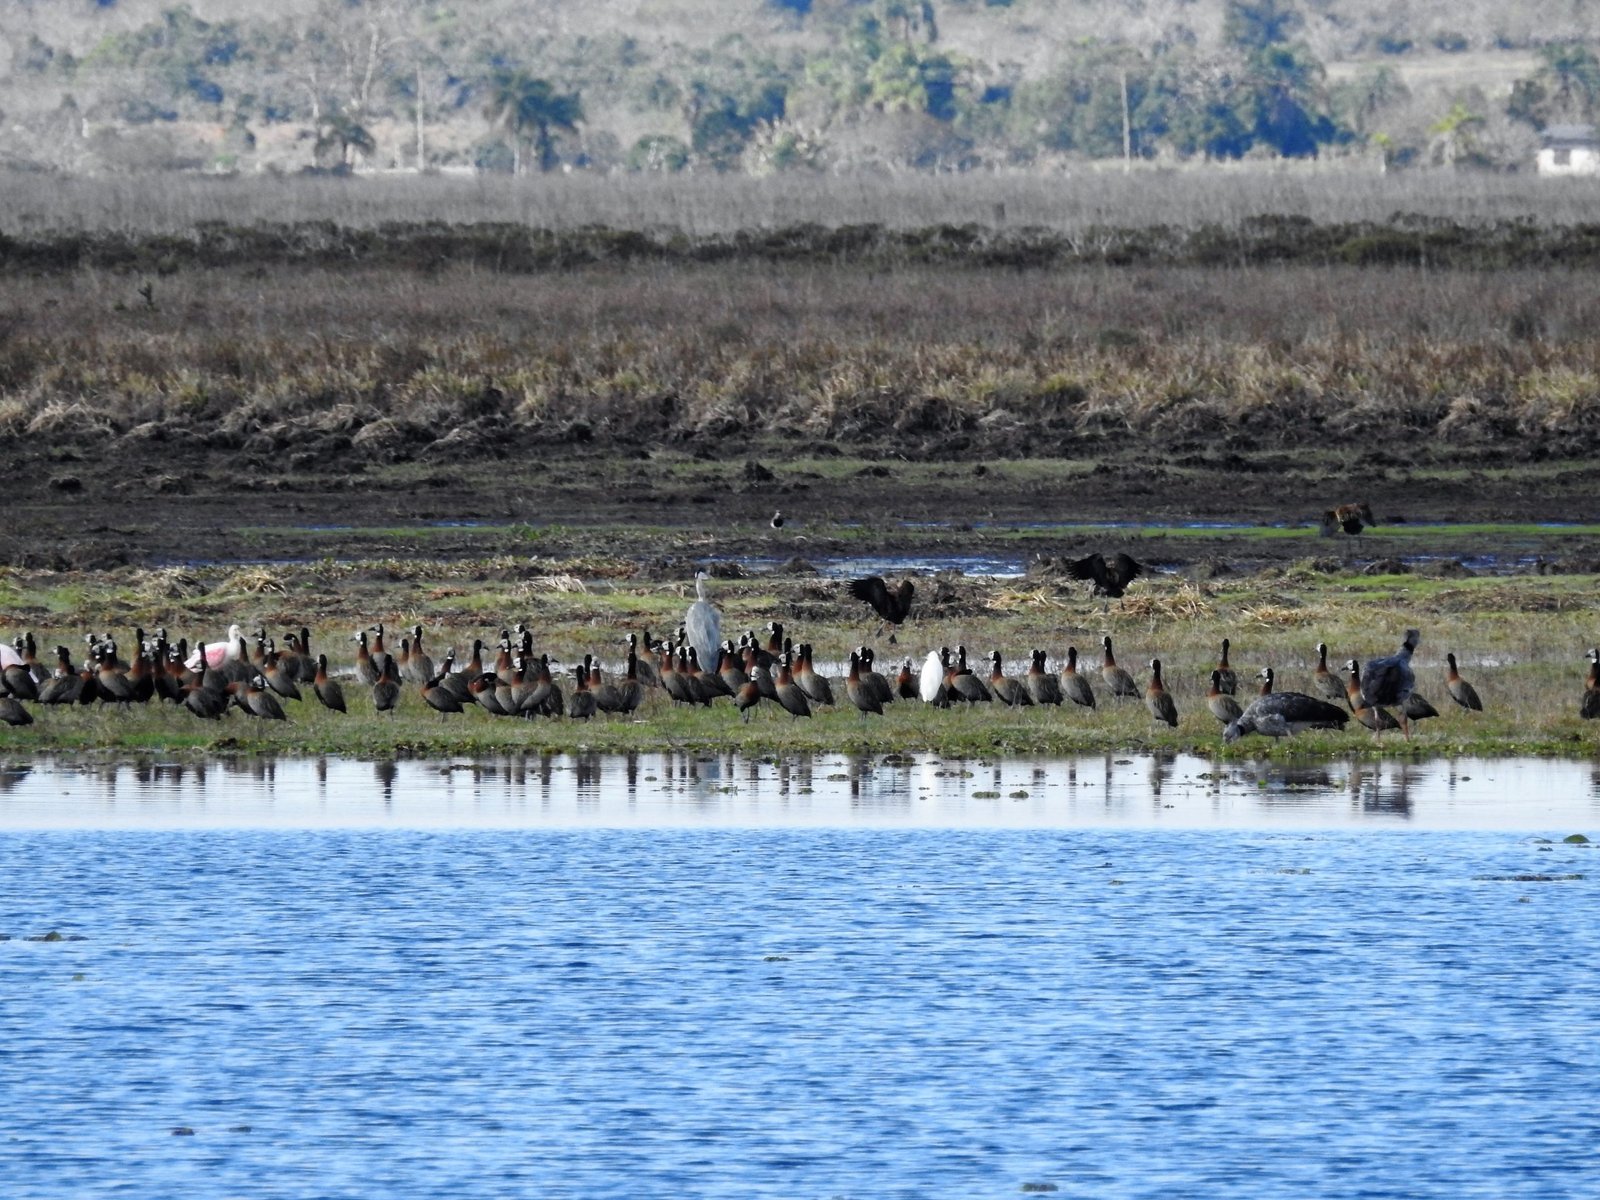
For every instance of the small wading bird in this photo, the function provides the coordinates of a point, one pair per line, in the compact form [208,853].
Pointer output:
[893,606]
[1281,714]
[1111,578]
[777,520]
[1589,705]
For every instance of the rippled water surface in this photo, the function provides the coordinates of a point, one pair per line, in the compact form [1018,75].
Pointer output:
[703,977]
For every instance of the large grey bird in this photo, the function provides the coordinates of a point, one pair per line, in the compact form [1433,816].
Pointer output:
[1280,714]
[703,623]
[1387,682]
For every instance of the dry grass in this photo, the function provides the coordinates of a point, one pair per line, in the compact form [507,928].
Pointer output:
[392,366]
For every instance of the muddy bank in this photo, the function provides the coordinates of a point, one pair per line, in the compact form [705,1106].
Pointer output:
[87,511]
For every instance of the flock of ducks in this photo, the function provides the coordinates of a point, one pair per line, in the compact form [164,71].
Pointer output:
[698,667]
[508,679]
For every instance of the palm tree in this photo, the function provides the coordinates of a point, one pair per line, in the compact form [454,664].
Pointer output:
[529,111]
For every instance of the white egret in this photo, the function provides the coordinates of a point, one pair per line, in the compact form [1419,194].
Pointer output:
[931,685]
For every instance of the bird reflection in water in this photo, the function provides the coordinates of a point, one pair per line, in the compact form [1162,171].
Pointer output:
[1375,792]
[586,779]
[384,771]
[1161,763]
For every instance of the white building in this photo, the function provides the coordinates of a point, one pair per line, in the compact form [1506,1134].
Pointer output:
[1569,150]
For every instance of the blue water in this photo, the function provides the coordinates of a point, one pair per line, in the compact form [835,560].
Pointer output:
[824,1011]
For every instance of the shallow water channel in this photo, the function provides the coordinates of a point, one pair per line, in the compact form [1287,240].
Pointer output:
[665,975]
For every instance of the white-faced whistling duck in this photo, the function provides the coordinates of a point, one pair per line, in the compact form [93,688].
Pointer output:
[208,703]
[113,685]
[1222,705]
[676,682]
[328,690]
[1417,708]
[1111,578]
[1328,685]
[1074,686]
[761,676]
[811,681]
[748,696]
[607,696]
[1043,687]
[1374,718]
[702,622]
[790,697]
[1462,692]
[438,697]
[774,646]
[730,668]
[421,661]
[483,691]
[630,692]
[64,683]
[872,678]
[1005,689]
[12,712]
[386,691]
[1388,681]
[964,684]
[260,702]
[1589,704]
[277,678]
[1118,680]
[168,686]
[18,680]
[648,675]
[544,694]
[1279,714]
[308,660]
[581,704]
[1228,682]
[893,606]
[860,693]
[905,681]
[1157,699]
[707,684]
[366,669]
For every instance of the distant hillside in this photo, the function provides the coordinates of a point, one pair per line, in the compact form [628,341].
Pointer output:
[764,86]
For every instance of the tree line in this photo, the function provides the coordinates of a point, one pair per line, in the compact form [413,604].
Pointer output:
[875,85]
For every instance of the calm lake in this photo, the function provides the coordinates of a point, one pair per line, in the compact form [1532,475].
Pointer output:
[670,975]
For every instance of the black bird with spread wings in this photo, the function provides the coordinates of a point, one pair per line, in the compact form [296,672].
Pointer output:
[1109,578]
[893,606]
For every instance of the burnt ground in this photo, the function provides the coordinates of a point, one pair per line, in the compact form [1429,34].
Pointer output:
[72,509]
